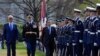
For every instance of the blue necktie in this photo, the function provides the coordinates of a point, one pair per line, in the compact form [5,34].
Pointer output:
[11,26]
[49,30]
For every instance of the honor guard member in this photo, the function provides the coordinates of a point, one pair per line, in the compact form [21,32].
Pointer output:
[69,35]
[97,23]
[58,40]
[30,32]
[86,39]
[92,30]
[66,36]
[78,32]
[98,26]
[61,38]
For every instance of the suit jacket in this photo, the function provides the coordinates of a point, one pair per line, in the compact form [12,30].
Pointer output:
[47,38]
[10,35]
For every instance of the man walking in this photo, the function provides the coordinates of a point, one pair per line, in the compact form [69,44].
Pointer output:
[48,35]
[10,33]
[30,34]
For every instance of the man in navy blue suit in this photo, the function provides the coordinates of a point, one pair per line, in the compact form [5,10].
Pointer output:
[10,33]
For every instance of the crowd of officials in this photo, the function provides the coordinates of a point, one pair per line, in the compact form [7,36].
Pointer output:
[71,37]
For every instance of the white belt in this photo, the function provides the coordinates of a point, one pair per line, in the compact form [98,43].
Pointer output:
[30,32]
[98,31]
[86,29]
[92,33]
[77,31]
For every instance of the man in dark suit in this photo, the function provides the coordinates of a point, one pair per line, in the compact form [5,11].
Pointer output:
[30,34]
[10,33]
[48,35]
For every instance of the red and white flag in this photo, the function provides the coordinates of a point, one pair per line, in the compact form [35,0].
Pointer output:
[43,13]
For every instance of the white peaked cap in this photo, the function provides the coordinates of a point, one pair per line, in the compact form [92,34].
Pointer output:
[10,16]
[77,10]
[98,4]
[91,8]
[54,25]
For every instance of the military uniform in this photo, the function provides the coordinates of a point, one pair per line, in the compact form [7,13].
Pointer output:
[98,31]
[86,39]
[79,36]
[61,38]
[92,34]
[30,34]
[69,35]
[97,39]
[58,32]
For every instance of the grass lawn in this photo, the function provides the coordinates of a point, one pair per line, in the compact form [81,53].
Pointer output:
[21,51]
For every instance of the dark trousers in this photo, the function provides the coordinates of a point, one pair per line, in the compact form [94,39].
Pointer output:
[50,46]
[79,49]
[2,45]
[74,50]
[31,47]
[95,50]
[11,47]
[62,49]
[49,51]
[87,49]
[69,50]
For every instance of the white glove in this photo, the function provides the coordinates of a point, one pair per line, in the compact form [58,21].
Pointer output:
[95,44]
[56,42]
[67,44]
[80,41]
[25,44]
[73,44]
[37,42]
